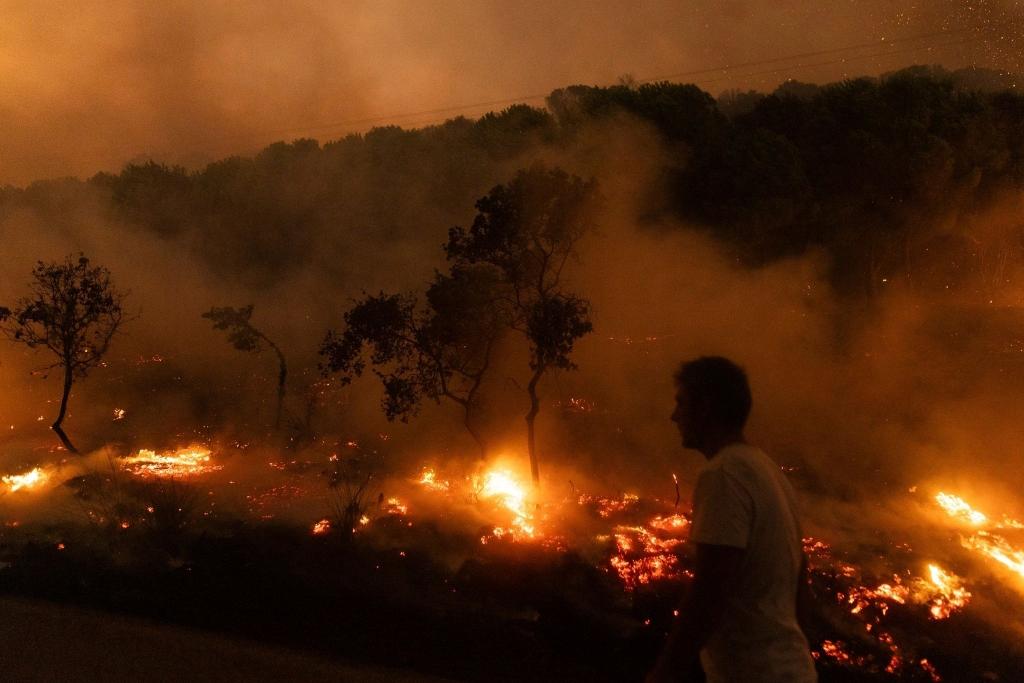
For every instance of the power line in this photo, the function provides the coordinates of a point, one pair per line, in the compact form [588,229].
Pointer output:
[888,53]
[349,123]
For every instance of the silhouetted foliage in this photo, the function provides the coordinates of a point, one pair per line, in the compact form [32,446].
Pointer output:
[527,232]
[870,172]
[73,311]
[440,350]
[245,337]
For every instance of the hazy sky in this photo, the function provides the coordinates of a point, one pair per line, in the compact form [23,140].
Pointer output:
[89,86]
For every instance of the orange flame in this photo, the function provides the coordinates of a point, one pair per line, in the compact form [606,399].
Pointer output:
[185,462]
[29,480]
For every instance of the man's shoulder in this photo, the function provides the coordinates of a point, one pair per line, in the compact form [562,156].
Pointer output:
[738,455]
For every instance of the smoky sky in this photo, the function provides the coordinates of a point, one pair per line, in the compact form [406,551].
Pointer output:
[88,87]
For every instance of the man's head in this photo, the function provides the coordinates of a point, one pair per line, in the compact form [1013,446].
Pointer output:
[712,403]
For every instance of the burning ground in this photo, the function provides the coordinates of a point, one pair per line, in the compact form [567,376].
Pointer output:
[886,377]
[536,580]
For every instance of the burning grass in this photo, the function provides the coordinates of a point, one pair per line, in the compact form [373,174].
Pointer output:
[190,461]
[990,545]
[616,560]
[33,479]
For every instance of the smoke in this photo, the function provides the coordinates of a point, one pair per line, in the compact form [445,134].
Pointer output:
[88,89]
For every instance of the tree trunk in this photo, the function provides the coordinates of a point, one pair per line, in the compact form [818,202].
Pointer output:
[56,426]
[282,376]
[531,437]
[473,431]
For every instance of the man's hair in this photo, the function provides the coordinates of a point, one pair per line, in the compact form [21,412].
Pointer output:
[722,384]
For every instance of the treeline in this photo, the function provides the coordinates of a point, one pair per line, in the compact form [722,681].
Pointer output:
[886,175]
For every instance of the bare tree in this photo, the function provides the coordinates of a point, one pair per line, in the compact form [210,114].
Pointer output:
[73,311]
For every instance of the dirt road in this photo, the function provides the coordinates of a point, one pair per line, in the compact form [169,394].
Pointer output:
[41,641]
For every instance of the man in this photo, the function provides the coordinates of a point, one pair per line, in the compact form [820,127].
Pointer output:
[740,614]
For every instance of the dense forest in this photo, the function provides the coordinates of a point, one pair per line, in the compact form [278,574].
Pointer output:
[895,178]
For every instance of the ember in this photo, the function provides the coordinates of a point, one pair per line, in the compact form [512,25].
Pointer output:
[642,557]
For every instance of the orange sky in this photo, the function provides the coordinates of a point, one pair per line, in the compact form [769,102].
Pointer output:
[87,88]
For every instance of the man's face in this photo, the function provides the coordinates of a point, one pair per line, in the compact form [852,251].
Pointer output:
[687,419]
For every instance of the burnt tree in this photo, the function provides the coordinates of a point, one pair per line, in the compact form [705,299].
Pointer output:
[73,311]
[245,337]
[527,232]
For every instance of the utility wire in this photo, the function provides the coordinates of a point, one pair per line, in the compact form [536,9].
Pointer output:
[349,123]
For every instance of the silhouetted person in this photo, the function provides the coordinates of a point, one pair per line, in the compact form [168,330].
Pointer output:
[739,617]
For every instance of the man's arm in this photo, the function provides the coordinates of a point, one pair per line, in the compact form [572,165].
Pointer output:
[700,614]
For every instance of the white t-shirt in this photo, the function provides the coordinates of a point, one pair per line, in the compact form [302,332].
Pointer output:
[743,500]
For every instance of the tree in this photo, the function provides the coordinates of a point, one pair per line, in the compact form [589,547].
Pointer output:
[527,232]
[440,350]
[244,337]
[73,311]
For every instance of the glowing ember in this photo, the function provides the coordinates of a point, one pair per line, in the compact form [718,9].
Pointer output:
[957,507]
[670,523]
[28,480]
[396,507]
[185,462]
[322,527]
[642,557]
[606,507]
[836,651]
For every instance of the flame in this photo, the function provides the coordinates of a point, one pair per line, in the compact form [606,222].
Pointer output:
[29,480]
[428,479]
[322,527]
[184,462]
[951,592]
[502,485]
[998,549]
[991,545]
[958,508]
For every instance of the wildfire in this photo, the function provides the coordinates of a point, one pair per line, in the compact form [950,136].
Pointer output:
[951,594]
[998,549]
[396,507]
[503,486]
[428,479]
[991,545]
[606,507]
[671,523]
[185,462]
[29,480]
[958,508]
[641,557]
[322,527]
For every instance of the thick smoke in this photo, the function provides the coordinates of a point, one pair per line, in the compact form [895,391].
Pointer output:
[88,89]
